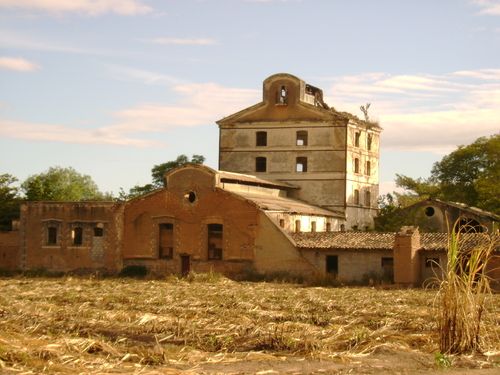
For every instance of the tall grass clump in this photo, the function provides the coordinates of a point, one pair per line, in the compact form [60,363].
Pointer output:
[463,290]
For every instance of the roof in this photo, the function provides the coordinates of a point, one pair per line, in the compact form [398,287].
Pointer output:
[382,241]
[232,177]
[345,240]
[284,204]
[460,206]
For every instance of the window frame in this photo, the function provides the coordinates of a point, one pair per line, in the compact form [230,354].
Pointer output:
[301,138]
[166,252]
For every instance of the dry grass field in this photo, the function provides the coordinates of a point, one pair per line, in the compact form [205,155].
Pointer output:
[209,324]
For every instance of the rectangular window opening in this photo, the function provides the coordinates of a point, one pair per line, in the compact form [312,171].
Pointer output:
[282,223]
[332,264]
[301,165]
[77,236]
[51,236]
[260,164]
[215,232]
[98,232]
[356,196]
[261,139]
[357,136]
[301,138]
[313,226]
[297,226]
[166,241]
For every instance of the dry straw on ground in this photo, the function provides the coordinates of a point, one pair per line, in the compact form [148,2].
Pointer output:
[76,325]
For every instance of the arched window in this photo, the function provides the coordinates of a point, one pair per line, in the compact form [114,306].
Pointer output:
[368,168]
[357,136]
[282,96]
[356,196]
[368,198]
[369,142]
[356,165]
[260,164]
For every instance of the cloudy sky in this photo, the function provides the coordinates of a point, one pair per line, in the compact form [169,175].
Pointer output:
[113,87]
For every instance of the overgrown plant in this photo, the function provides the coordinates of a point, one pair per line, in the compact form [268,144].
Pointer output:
[464,289]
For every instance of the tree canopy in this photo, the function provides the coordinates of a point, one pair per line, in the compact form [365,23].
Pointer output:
[61,184]
[9,200]
[157,174]
[469,175]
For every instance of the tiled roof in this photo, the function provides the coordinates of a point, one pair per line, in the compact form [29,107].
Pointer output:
[381,241]
[233,177]
[345,240]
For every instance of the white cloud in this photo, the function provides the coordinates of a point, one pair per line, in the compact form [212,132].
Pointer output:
[432,113]
[183,41]
[17,64]
[67,134]
[489,7]
[90,7]
[200,104]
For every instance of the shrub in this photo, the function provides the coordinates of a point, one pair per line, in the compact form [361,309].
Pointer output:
[134,271]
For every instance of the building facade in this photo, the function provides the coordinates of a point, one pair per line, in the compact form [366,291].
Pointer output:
[293,136]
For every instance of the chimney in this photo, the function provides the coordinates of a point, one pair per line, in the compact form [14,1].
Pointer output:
[406,260]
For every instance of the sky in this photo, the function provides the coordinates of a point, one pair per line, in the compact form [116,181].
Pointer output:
[114,87]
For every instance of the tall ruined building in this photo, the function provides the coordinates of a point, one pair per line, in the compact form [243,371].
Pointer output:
[293,136]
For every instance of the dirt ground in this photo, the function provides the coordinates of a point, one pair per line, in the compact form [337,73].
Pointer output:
[211,325]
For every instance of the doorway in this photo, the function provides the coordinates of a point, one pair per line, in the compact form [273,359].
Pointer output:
[185,264]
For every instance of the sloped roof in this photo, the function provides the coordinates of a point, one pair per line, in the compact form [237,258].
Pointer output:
[233,177]
[284,204]
[460,206]
[345,240]
[382,241]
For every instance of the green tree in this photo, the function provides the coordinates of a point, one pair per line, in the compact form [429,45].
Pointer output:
[157,174]
[61,184]
[9,201]
[159,170]
[469,175]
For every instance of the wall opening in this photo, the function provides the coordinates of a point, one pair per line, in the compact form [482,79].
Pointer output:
[98,232]
[261,139]
[313,226]
[77,236]
[356,165]
[297,226]
[368,199]
[282,96]
[260,164]
[301,138]
[328,227]
[51,236]
[282,223]
[368,168]
[166,241]
[215,233]
[357,136]
[369,142]
[332,264]
[356,196]
[301,164]
[191,197]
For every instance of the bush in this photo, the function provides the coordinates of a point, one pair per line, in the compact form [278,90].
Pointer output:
[134,271]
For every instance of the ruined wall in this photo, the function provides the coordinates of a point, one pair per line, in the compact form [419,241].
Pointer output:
[190,203]
[9,250]
[48,231]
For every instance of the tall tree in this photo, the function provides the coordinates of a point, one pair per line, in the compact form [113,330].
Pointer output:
[61,184]
[159,170]
[469,175]
[9,201]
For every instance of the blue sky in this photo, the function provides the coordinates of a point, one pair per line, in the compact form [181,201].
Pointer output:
[113,87]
